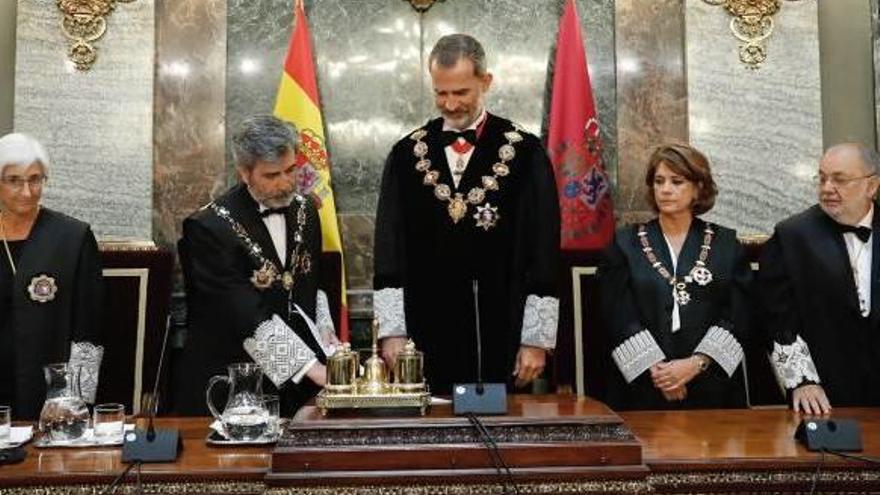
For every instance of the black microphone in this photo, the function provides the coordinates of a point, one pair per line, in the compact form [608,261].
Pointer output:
[152,445]
[480,397]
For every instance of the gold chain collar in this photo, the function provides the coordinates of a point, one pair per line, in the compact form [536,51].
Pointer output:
[269,272]
[487,215]
[699,273]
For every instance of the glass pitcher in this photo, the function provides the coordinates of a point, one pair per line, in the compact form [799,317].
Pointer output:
[245,416]
[65,415]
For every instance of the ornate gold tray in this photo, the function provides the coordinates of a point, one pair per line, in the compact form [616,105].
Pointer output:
[326,401]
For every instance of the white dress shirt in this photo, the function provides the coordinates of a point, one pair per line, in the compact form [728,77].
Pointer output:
[676,317]
[860,257]
[452,157]
[277,226]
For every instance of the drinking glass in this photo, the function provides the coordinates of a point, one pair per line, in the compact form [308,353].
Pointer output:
[272,404]
[109,421]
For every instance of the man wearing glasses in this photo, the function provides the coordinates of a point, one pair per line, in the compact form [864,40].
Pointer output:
[820,288]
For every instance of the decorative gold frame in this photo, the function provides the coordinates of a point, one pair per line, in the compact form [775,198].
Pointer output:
[85,21]
[752,24]
[422,6]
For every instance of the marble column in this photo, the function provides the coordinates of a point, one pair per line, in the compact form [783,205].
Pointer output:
[875,35]
[651,93]
[189,162]
[761,129]
[97,125]
[7,59]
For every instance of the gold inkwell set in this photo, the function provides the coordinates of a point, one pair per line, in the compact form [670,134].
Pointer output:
[374,389]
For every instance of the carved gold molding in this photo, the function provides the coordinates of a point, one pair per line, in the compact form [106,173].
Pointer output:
[752,24]
[85,21]
[422,6]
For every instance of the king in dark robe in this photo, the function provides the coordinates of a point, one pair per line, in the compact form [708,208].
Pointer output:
[468,218]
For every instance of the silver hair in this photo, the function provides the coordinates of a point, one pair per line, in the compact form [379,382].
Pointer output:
[262,138]
[451,48]
[23,150]
[870,158]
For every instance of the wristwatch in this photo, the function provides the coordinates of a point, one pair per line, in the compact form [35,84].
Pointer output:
[702,362]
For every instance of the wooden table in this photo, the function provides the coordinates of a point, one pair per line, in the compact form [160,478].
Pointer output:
[748,451]
[199,469]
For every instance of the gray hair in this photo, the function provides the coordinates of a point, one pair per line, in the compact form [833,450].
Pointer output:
[23,150]
[453,47]
[870,158]
[262,138]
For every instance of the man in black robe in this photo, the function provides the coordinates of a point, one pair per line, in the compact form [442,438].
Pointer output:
[820,287]
[250,261]
[468,205]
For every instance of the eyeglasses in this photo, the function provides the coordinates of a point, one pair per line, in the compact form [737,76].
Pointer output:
[17,182]
[835,181]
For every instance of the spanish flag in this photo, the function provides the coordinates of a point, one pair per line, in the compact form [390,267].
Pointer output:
[298,103]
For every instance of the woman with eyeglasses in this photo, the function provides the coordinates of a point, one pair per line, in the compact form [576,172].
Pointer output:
[50,284]
[674,295]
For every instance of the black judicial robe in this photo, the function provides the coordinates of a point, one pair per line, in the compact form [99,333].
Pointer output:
[634,297]
[806,288]
[223,305]
[420,249]
[40,333]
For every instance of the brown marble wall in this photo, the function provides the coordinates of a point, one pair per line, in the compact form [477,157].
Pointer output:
[875,34]
[189,109]
[651,92]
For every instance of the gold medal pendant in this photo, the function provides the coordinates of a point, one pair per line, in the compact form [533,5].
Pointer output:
[263,277]
[457,208]
[305,263]
[287,280]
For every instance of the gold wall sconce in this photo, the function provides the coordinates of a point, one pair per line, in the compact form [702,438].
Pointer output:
[84,22]
[422,6]
[752,24]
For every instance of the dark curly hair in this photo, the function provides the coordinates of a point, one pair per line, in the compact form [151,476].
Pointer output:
[686,161]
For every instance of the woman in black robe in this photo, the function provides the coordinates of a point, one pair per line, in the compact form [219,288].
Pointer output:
[674,295]
[50,284]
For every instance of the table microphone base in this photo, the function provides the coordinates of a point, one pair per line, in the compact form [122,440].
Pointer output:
[479,398]
[162,446]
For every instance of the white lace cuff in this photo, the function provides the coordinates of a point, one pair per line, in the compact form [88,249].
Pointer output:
[540,320]
[278,350]
[323,318]
[720,345]
[86,357]
[388,309]
[793,364]
[636,354]
[299,375]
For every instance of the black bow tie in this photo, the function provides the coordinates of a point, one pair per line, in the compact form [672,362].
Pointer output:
[273,211]
[862,232]
[469,135]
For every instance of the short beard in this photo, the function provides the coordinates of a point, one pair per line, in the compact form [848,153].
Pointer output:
[274,201]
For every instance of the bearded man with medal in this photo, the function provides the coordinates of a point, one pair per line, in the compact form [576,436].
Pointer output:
[250,262]
[467,205]
[675,295]
[50,284]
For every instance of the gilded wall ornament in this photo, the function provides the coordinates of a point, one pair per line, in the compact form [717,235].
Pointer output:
[422,6]
[752,24]
[85,21]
